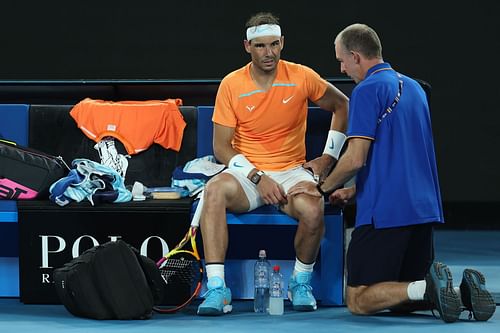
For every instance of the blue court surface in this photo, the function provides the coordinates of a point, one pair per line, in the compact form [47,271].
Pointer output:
[458,249]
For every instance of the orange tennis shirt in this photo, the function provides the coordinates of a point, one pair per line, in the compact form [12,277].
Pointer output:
[137,124]
[270,126]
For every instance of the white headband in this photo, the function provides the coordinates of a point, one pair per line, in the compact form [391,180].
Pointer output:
[263,30]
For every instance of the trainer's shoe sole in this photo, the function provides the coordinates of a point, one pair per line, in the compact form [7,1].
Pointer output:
[206,311]
[305,308]
[475,297]
[443,296]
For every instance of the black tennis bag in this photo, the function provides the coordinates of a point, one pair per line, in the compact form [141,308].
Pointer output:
[26,173]
[110,281]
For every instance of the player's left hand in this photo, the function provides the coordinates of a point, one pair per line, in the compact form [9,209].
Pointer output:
[321,166]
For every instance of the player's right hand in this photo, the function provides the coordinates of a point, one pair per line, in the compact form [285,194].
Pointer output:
[271,192]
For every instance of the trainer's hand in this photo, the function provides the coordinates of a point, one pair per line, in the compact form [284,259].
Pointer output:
[305,187]
[321,166]
[271,192]
[342,196]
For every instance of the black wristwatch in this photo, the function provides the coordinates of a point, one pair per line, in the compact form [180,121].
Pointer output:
[323,193]
[256,177]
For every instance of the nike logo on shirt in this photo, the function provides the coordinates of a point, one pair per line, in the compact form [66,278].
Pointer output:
[286,100]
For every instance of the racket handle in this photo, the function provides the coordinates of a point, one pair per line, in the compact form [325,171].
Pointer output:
[161,261]
[195,222]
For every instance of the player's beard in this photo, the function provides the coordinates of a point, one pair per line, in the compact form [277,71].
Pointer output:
[268,64]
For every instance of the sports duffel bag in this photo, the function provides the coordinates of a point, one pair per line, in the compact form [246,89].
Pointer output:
[26,173]
[110,281]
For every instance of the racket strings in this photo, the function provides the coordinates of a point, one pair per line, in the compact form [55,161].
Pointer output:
[180,271]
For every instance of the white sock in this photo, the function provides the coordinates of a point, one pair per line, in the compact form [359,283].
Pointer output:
[301,267]
[416,290]
[215,270]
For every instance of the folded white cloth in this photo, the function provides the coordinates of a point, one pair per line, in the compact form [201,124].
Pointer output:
[206,165]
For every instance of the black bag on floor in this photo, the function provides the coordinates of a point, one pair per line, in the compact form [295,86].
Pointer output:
[110,281]
[26,173]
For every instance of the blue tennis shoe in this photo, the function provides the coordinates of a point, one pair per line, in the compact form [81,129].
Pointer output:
[475,297]
[217,299]
[300,292]
[440,293]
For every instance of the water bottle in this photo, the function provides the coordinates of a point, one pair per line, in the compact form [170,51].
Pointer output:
[276,306]
[261,283]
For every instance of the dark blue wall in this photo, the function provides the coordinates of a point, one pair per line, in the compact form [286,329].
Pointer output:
[452,46]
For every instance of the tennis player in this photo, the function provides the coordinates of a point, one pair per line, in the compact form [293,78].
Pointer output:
[259,133]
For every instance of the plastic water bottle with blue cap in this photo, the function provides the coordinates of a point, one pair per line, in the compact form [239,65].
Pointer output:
[262,269]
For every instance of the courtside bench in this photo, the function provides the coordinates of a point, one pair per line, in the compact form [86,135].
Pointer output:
[49,235]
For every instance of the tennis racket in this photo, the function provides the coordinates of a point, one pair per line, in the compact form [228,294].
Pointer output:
[181,268]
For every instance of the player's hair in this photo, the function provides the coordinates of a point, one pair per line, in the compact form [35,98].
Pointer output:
[262,18]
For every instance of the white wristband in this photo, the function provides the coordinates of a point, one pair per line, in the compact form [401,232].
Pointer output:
[334,143]
[240,164]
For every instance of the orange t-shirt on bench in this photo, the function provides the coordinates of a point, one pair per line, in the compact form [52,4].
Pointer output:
[137,124]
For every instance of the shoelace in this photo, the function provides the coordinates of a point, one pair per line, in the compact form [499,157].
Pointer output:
[303,289]
[211,291]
